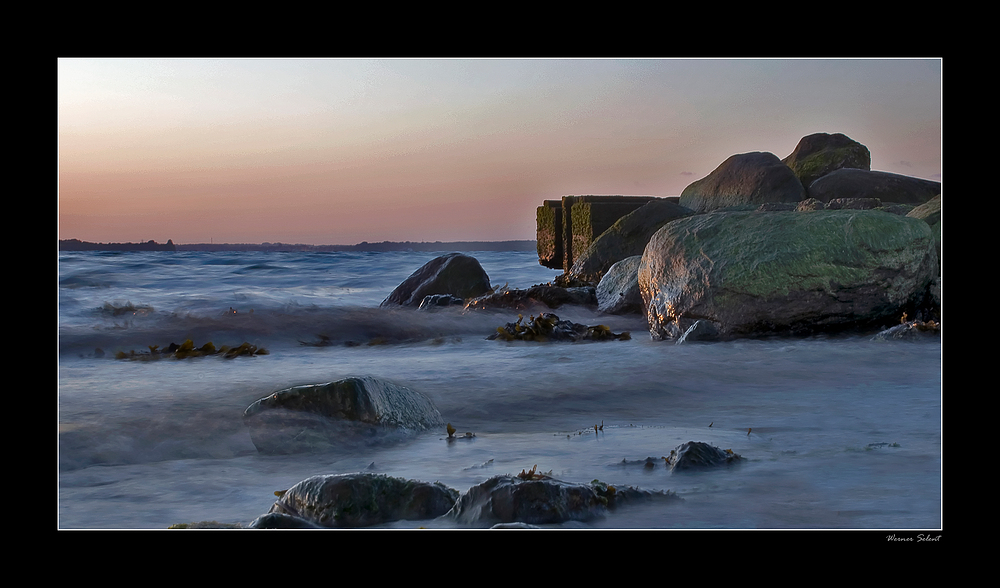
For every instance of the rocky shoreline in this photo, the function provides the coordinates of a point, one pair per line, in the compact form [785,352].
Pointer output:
[815,243]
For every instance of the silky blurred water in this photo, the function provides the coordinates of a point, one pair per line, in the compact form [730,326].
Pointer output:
[844,432]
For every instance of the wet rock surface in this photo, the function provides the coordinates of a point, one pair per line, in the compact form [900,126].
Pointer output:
[315,416]
[455,274]
[537,499]
[695,455]
[910,331]
[548,327]
[536,297]
[359,500]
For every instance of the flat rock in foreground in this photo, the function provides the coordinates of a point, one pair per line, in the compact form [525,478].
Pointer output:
[315,416]
[360,500]
[536,499]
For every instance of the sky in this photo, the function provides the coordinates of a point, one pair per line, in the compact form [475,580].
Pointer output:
[340,151]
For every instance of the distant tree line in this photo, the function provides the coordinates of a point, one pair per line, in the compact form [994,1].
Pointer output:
[77,245]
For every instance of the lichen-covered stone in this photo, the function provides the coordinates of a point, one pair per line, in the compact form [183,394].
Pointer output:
[821,153]
[753,273]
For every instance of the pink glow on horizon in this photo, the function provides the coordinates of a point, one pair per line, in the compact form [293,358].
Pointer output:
[195,151]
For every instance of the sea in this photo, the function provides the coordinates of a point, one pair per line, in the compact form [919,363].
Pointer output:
[836,433]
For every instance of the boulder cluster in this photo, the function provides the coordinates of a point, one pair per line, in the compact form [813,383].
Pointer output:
[522,500]
[813,243]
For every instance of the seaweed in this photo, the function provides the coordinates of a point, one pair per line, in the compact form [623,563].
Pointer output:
[547,326]
[187,349]
[535,475]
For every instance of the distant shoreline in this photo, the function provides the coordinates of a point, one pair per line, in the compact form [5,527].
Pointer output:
[520,245]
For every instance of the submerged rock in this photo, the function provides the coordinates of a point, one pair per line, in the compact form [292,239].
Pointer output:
[695,455]
[910,331]
[362,500]
[537,499]
[315,416]
[548,327]
[539,296]
[455,274]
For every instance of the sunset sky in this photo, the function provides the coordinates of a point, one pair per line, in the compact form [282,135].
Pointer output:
[339,151]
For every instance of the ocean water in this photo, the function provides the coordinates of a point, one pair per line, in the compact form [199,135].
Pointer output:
[838,433]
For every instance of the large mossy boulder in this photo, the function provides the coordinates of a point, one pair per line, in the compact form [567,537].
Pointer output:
[930,212]
[316,416]
[821,153]
[747,179]
[887,187]
[360,500]
[626,237]
[787,273]
[455,274]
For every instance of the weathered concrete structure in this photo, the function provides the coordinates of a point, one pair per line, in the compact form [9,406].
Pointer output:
[566,227]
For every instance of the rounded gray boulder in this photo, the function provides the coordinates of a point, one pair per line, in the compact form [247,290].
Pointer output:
[315,416]
[747,179]
[456,274]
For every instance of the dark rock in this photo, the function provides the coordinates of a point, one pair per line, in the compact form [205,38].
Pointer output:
[455,274]
[276,520]
[540,296]
[438,300]
[700,330]
[697,455]
[549,234]
[810,204]
[887,187]
[854,204]
[548,327]
[626,237]
[618,292]
[910,331]
[316,416]
[363,500]
[745,179]
[821,153]
[754,274]
[541,500]
[777,206]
